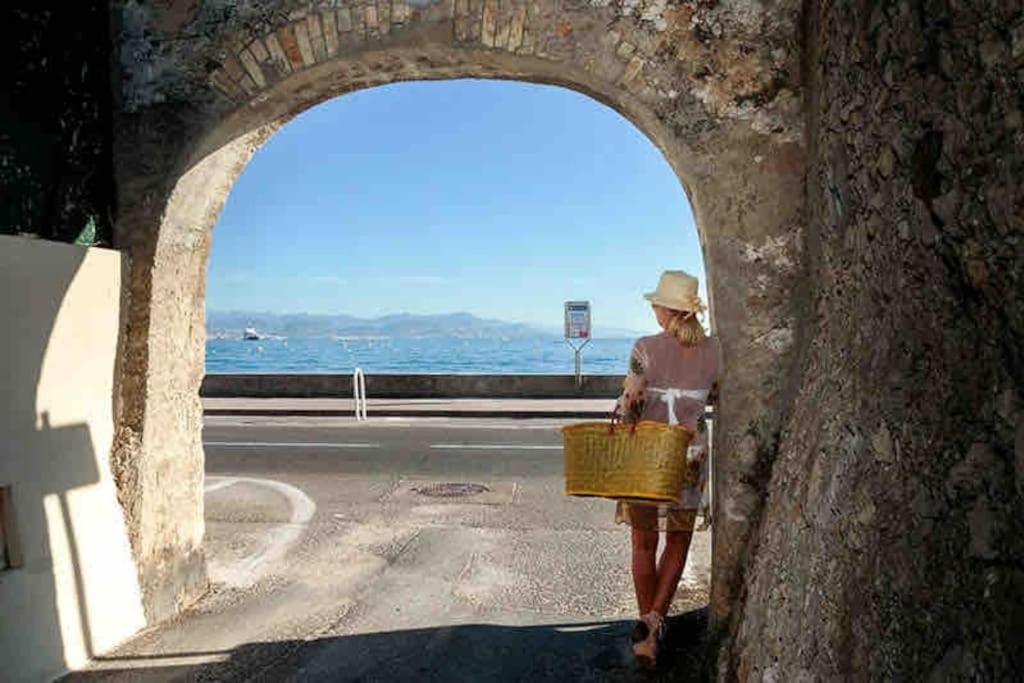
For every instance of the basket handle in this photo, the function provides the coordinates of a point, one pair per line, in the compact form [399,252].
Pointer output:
[615,418]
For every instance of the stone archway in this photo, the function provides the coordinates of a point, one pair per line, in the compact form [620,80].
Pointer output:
[716,89]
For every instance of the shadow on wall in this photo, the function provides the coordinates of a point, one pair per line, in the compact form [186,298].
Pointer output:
[31,627]
[470,652]
[45,455]
[32,632]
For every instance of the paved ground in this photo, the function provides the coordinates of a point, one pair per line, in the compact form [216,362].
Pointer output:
[330,562]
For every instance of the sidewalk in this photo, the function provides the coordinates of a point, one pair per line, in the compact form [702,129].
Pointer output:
[516,408]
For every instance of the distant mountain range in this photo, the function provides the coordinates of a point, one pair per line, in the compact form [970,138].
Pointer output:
[230,324]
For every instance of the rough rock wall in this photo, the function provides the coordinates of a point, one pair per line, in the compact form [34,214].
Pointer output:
[56,171]
[891,547]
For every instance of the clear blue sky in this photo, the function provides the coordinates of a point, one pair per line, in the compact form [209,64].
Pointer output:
[501,199]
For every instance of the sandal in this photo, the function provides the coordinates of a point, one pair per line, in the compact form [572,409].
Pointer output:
[646,650]
[640,631]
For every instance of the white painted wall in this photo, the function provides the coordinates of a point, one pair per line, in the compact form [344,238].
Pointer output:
[77,593]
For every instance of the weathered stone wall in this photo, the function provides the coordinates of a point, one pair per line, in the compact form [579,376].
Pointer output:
[157,455]
[892,545]
[56,170]
[717,88]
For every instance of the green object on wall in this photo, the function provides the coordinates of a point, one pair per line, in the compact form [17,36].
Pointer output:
[87,237]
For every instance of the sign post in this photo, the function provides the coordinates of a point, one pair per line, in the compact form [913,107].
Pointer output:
[577,327]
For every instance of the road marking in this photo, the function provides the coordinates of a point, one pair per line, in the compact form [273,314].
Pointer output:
[393,422]
[276,542]
[448,446]
[496,447]
[217,483]
[286,444]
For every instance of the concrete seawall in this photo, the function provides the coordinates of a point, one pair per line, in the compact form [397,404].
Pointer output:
[410,386]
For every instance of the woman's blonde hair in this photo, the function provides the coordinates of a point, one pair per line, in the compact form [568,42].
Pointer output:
[685,327]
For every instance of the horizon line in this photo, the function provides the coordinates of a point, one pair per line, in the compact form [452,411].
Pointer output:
[553,325]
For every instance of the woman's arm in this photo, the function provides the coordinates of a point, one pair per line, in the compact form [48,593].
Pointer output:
[631,403]
[699,446]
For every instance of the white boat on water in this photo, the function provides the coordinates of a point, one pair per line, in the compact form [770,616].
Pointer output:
[250,334]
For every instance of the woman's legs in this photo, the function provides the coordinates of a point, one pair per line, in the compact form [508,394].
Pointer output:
[655,582]
[645,573]
[670,569]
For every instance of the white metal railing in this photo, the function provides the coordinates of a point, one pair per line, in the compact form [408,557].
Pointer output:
[359,393]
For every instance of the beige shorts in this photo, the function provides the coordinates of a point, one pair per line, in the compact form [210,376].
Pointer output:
[655,517]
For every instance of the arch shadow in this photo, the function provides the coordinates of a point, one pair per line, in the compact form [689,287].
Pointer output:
[468,652]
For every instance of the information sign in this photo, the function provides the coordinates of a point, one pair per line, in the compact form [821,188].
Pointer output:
[577,320]
[577,326]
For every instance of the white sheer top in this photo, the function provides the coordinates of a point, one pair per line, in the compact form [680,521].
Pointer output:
[674,382]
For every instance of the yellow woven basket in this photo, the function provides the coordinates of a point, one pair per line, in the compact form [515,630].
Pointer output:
[647,464]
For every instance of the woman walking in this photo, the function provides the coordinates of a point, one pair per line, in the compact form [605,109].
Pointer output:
[671,376]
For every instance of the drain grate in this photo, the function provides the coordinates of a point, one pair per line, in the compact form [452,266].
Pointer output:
[451,490]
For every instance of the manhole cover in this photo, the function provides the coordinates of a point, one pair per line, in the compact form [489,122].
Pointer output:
[451,490]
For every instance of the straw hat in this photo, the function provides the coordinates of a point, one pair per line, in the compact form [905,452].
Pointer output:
[677,290]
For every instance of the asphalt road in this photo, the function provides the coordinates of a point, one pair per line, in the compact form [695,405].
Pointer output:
[333,558]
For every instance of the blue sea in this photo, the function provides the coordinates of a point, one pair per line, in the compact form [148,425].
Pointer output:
[428,355]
